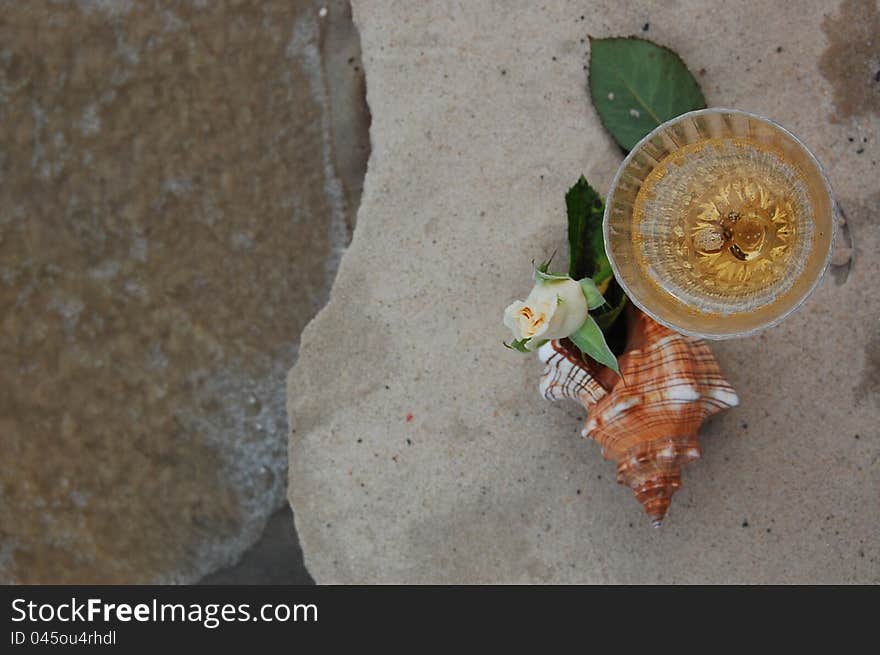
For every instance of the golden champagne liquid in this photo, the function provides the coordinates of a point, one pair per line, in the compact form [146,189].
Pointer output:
[725,225]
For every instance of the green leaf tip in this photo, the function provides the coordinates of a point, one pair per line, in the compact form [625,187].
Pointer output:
[636,85]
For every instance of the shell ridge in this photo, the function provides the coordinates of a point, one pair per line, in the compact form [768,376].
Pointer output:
[566,377]
[648,421]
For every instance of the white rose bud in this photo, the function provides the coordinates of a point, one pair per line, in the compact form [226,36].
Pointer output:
[554,310]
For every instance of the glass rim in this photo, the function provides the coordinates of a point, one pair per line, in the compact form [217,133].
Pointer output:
[758,328]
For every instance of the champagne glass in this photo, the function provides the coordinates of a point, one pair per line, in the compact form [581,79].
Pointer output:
[719,223]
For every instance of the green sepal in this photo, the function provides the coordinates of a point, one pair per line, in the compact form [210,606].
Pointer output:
[591,342]
[591,293]
[543,274]
[606,319]
[518,345]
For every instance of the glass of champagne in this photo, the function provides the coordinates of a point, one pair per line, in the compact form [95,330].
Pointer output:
[719,223]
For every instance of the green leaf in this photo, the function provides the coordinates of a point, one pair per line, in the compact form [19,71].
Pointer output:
[586,249]
[590,340]
[636,85]
[591,293]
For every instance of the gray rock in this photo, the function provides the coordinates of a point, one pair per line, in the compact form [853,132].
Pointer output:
[171,215]
[420,449]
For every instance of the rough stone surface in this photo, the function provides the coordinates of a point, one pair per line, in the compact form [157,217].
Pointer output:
[170,218]
[420,449]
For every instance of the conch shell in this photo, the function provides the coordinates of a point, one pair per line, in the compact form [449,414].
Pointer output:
[647,419]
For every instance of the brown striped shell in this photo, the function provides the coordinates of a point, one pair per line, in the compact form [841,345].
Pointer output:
[647,420]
